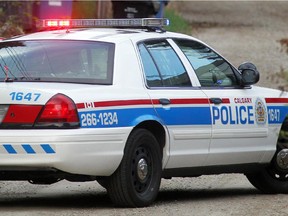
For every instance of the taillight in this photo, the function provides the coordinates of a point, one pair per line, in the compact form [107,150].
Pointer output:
[59,112]
[19,116]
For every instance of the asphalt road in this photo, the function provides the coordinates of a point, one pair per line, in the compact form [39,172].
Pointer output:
[241,31]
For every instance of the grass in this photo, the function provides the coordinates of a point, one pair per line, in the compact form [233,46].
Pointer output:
[177,22]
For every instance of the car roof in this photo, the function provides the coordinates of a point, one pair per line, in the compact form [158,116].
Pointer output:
[114,35]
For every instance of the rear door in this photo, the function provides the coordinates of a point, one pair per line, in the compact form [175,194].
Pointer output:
[183,109]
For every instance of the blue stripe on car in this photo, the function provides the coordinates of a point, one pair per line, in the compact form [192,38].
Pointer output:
[9,148]
[28,149]
[47,148]
[133,116]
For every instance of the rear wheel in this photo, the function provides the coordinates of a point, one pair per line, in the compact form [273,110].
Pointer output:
[137,180]
[274,178]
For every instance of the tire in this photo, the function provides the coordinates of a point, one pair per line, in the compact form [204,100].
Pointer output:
[137,180]
[102,182]
[273,179]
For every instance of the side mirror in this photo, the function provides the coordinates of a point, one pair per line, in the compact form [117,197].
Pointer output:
[249,74]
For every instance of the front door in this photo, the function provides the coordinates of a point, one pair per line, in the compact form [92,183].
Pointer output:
[239,115]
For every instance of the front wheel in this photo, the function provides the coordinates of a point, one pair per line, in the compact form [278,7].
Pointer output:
[137,180]
[274,178]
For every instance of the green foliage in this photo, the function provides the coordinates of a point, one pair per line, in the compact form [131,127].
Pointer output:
[9,28]
[84,9]
[177,22]
[10,24]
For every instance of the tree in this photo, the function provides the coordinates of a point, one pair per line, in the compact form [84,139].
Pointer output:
[10,22]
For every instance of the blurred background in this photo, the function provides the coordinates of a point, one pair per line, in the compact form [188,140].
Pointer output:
[254,31]
[22,16]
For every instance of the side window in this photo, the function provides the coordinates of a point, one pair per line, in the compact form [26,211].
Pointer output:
[211,69]
[152,75]
[162,66]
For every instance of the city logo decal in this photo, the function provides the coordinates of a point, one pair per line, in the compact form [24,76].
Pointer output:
[260,112]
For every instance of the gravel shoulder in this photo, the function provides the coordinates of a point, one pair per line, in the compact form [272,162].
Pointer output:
[243,31]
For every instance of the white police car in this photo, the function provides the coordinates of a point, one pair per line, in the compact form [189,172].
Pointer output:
[128,106]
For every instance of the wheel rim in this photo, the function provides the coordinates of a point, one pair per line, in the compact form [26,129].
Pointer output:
[279,168]
[282,159]
[141,169]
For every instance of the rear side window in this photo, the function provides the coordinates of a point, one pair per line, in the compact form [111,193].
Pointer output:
[57,61]
[162,66]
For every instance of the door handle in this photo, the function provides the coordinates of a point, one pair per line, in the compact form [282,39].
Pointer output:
[216,100]
[164,101]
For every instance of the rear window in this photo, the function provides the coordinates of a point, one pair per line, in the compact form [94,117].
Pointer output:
[57,61]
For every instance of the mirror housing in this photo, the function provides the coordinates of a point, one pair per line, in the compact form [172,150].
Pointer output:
[249,74]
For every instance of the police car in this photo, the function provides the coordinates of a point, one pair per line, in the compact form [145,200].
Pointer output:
[132,104]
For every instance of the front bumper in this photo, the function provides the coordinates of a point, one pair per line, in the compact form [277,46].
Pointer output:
[96,152]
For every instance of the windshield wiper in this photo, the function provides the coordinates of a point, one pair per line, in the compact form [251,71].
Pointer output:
[23,78]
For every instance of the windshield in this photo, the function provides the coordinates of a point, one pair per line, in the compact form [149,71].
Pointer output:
[57,61]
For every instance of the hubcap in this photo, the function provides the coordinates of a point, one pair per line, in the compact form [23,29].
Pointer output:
[279,168]
[282,159]
[142,169]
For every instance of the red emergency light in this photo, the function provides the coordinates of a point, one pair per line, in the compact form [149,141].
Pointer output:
[56,23]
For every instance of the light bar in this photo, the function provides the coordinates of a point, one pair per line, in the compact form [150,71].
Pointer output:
[74,23]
